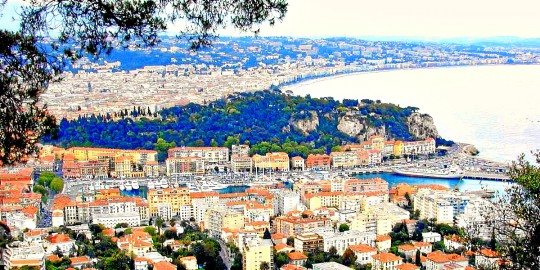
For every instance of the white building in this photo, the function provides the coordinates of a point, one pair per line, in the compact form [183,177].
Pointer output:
[431,237]
[342,240]
[24,254]
[132,219]
[330,266]
[287,201]
[443,206]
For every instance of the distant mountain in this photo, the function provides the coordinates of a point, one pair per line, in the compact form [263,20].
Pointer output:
[267,120]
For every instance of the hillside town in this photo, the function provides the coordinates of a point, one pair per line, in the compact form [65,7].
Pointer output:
[328,222]
[180,76]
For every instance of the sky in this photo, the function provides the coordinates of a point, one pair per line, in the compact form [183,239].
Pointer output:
[402,18]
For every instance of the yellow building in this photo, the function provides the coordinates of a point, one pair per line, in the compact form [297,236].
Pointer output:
[278,161]
[371,222]
[347,159]
[377,143]
[101,154]
[398,148]
[256,252]
[168,200]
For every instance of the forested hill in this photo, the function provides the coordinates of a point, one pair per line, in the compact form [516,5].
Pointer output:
[267,120]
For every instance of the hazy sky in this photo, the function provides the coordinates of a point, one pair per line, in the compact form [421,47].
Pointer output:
[416,18]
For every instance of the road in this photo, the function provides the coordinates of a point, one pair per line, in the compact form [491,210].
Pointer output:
[224,253]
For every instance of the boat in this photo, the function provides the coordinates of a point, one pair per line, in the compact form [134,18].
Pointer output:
[428,172]
[122,187]
[128,186]
[135,184]
[151,185]
[163,183]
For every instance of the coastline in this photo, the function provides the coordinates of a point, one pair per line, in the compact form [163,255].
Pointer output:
[291,86]
[465,150]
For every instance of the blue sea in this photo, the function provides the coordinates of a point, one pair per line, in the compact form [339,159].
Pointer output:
[493,107]
[464,184]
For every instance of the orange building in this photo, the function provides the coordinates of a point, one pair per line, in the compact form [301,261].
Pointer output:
[321,162]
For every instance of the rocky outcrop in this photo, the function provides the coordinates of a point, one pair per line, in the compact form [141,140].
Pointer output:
[421,126]
[307,125]
[350,125]
[470,150]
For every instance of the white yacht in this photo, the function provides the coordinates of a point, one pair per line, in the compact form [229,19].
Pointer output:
[164,183]
[151,185]
[135,184]
[122,187]
[128,186]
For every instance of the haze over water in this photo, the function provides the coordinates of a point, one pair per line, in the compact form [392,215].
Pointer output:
[496,108]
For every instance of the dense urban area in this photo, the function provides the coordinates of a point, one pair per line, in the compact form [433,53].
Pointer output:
[141,178]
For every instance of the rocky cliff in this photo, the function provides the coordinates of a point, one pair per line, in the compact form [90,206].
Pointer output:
[421,126]
[308,124]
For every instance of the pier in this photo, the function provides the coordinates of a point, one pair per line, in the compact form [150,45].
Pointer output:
[486,176]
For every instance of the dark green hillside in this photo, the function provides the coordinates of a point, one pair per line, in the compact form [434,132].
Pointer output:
[268,121]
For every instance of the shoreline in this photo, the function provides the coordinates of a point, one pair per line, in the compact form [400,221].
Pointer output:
[291,86]
[464,147]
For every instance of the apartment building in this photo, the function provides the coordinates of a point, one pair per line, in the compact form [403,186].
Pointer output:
[441,205]
[218,218]
[168,202]
[293,226]
[23,254]
[178,166]
[298,163]
[308,242]
[318,162]
[212,156]
[342,240]
[257,251]
[277,161]
[241,163]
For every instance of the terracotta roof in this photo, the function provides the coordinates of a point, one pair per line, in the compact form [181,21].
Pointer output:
[407,266]
[362,248]
[164,266]
[280,246]
[422,244]
[407,247]
[381,238]
[277,236]
[53,258]
[292,267]
[297,256]
[58,238]
[80,260]
[489,253]
[386,257]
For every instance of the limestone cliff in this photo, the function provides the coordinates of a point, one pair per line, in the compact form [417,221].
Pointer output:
[421,126]
[350,125]
[308,124]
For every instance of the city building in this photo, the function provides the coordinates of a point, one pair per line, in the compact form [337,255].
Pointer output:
[257,251]
[386,261]
[218,218]
[277,161]
[241,164]
[308,242]
[363,253]
[318,162]
[342,240]
[168,202]
[297,163]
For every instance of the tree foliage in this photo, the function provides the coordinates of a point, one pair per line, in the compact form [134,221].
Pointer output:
[515,216]
[52,34]
[263,121]
[57,184]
